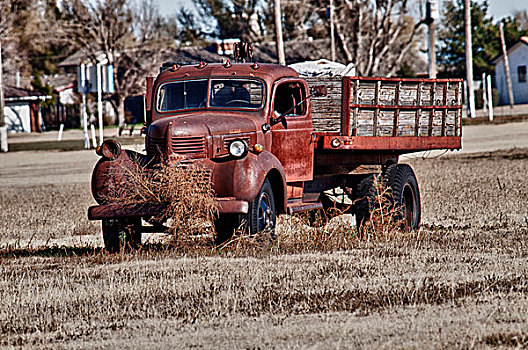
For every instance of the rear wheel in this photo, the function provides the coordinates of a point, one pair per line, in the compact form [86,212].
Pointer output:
[363,201]
[401,180]
[403,195]
[121,234]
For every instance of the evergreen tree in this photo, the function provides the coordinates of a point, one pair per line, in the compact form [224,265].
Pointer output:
[485,37]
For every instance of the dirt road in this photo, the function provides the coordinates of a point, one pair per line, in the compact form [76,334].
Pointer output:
[481,138]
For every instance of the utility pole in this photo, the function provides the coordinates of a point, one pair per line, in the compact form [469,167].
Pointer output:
[469,59]
[100,101]
[332,33]
[3,127]
[506,65]
[431,15]
[84,84]
[278,33]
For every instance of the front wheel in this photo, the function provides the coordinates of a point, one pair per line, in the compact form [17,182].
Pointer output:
[120,234]
[262,214]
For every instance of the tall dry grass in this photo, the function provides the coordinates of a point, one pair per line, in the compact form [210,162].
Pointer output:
[334,230]
[191,212]
[186,190]
[459,282]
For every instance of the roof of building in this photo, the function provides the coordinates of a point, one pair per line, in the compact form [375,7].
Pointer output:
[295,51]
[80,57]
[523,40]
[12,93]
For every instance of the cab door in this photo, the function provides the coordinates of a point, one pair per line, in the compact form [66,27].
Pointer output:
[292,135]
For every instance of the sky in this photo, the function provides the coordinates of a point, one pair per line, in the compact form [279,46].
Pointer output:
[498,8]
[502,8]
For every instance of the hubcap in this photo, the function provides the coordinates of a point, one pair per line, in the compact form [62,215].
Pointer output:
[265,212]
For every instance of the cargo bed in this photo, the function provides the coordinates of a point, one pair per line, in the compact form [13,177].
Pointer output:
[387,114]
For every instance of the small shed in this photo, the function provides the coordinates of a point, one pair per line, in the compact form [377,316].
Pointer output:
[518,59]
[22,109]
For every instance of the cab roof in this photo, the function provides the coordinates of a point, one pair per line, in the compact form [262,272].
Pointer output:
[269,72]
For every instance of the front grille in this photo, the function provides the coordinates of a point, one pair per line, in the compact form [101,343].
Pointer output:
[204,175]
[156,145]
[192,145]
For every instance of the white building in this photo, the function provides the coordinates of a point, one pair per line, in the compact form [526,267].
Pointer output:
[22,109]
[518,58]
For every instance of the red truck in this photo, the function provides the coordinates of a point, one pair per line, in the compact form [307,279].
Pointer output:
[273,142]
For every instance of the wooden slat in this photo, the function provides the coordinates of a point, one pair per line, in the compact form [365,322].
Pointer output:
[327,110]
[444,112]
[345,109]
[388,108]
[377,93]
[397,111]
[419,111]
[458,112]
[356,110]
[431,113]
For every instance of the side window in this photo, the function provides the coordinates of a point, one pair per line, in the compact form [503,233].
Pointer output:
[521,74]
[290,99]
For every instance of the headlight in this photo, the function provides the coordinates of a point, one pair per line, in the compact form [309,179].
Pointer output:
[238,148]
[110,149]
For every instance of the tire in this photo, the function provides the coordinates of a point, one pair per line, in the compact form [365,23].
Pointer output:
[119,235]
[403,186]
[262,215]
[403,194]
[225,226]
[365,194]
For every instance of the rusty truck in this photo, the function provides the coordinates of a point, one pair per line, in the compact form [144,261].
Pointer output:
[272,142]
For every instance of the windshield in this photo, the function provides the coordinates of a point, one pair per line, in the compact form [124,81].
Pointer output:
[224,93]
[236,93]
[184,94]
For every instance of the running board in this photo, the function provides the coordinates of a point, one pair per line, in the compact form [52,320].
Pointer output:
[302,206]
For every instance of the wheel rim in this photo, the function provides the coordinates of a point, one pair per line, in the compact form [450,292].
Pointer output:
[408,206]
[265,212]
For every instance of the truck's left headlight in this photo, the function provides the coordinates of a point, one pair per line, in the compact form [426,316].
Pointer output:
[238,148]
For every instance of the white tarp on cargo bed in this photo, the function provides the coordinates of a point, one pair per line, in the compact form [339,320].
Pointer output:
[323,68]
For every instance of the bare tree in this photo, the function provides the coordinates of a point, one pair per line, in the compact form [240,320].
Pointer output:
[522,18]
[12,34]
[376,35]
[236,18]
[129,38]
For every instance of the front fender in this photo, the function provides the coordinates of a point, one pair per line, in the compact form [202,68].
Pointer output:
[109,177]
[243,178]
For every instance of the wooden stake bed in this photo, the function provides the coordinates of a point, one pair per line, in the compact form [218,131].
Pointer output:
[399,115]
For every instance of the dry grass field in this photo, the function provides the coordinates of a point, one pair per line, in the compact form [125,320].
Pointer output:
[460,282]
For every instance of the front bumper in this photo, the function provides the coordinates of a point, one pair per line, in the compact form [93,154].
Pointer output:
[123,211]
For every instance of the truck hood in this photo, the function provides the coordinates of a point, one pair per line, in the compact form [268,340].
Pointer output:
[205,124]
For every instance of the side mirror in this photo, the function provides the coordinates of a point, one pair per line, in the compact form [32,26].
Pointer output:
[318,91]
